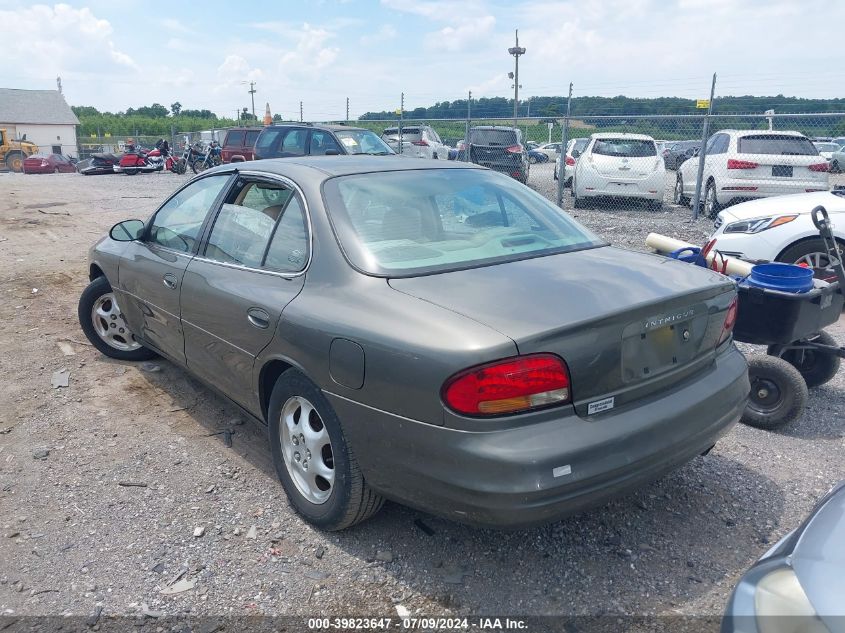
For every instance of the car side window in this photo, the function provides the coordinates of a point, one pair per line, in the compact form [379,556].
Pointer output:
[322,141]
[235,138]
[177,224]
[245,223]
[288,251]
[721,144]
[710,143]
[251,137]
[294,143]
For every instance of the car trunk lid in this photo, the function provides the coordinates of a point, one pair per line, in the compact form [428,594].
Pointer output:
[778,158]
[624,167]
[627,324]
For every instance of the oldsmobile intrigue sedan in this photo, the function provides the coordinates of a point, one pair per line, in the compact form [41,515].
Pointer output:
[429,332]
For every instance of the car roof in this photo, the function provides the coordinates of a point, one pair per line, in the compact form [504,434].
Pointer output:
[334,127]
[623,135]
[332,166]
[739,133]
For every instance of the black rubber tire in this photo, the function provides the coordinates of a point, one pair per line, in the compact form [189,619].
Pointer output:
[815,367]
[655,205]
[678,196]
[131,172]
[568,183]
[554,175]
[795,252]
[790,393]
[351,501]
[714,211]
[578,203]
[198,165]
[92,292]
[15,158]
[834,167]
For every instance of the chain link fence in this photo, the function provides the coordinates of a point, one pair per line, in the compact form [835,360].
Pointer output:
[648,162]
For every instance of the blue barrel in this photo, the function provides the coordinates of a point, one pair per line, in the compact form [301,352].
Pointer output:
[783,277]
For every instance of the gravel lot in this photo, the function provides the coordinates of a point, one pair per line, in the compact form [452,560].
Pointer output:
[75,537]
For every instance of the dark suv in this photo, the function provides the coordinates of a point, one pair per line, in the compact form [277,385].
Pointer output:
[307,139]
[499,148]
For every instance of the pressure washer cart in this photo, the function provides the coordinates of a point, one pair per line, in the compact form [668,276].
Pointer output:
[800,354]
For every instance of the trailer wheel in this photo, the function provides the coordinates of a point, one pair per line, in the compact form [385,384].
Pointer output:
[778,393]
[816,366]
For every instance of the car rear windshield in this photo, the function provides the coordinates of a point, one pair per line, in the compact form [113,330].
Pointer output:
[776,144]
[362,142]
[406,131]
[827,147]
[407,223]
[624,147]
[493,137]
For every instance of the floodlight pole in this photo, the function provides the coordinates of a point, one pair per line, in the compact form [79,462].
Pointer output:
[516,51]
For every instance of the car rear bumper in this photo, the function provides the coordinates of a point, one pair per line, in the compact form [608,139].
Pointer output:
[542,471]
[594,185]
[729,189]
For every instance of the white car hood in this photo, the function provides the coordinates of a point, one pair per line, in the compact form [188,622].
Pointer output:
[801,203]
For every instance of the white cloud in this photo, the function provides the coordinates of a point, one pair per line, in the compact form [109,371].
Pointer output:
[461,36]
[310,52]
[236,69]
[386,33]
[176,26]
[60,38]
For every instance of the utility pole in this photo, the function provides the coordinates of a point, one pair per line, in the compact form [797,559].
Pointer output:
[252,95]
[516,51]
[300,111]
[347,109]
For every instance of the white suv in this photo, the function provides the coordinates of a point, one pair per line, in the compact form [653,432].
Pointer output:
[419,141]
[746,164]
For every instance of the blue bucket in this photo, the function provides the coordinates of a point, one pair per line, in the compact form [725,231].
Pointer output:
[783,277]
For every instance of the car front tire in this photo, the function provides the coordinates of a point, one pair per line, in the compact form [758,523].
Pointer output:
[810,252]
[102,322]
[711,202]
[316,466]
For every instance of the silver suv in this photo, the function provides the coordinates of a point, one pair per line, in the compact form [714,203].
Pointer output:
[419,141]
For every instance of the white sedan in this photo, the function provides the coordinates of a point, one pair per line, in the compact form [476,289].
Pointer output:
[618,165]
[780,229]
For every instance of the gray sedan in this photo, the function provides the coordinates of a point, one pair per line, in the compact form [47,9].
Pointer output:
[429,332]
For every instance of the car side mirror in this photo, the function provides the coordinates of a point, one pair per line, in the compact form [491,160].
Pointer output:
[331,152]
[127,231]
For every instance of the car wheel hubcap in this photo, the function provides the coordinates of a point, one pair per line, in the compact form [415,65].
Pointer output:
[817,261]
[110,325]
[307,450]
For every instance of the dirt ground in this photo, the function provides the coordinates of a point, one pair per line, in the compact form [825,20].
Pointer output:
[103,483]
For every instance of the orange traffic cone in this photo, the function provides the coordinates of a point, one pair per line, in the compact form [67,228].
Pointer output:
[267,118]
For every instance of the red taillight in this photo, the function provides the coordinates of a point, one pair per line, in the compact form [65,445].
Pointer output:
[570,161]
[741,164]
[514,149]
[819,167]
[422,143]
[730,321]
[509,386]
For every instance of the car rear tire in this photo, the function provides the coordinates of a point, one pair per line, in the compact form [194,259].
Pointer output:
[711,205]
[678,196]
[815,366]
[103,324]
[810,252]
[655,205]
[778,393]
[834,167]
[305,433]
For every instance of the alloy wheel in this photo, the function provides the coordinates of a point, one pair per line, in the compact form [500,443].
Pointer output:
[110,325]
[307,450]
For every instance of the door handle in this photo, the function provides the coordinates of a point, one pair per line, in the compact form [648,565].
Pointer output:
[169,280]
[258,317]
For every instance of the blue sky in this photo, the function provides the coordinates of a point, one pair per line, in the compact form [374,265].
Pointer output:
[115,55]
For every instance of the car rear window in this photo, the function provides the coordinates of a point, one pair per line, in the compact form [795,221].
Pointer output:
[235,137]
[362,142]
[624,147]
[776,144]
[493,137]
[407,223]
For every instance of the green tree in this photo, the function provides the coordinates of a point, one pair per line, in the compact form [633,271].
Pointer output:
[176,108]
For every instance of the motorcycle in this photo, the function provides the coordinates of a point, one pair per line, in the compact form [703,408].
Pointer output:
[99,164]
[142,161]
[191,153]
[213,157]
